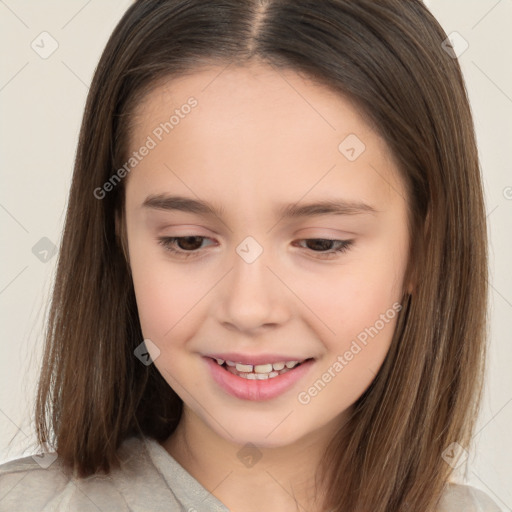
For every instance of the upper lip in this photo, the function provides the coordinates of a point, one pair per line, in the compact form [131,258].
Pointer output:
[255,358]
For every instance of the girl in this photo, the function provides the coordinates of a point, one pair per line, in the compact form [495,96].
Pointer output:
[271,289]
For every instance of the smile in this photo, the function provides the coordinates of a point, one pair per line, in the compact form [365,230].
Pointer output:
[262,381]
[259,371]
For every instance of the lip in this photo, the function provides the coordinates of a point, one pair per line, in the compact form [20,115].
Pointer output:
[256,390]
[256,358]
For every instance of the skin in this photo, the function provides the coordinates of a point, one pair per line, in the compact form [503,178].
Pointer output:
[260,137]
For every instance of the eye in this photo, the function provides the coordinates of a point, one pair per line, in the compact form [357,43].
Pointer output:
[186,246]
[323,244]
[189,244]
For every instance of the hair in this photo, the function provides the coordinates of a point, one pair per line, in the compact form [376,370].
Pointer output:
[386,57]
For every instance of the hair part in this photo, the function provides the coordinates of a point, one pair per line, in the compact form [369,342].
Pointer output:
[386,57]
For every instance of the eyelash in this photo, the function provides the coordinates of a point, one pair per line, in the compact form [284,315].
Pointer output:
[168,243]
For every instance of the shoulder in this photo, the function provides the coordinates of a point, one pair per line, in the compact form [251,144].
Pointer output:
[41,483]
[465,498]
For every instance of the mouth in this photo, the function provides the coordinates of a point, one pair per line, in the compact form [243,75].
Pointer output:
[261,381]
[259,371]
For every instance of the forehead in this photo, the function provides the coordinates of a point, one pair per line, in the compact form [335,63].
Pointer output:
[255,128]
[256,90]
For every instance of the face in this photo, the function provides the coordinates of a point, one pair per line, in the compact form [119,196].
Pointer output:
[261,277]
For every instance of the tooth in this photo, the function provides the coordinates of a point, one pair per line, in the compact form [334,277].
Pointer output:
[244,367]
[273,374]
[230,363]
[263,368]
[251,376]
[220,361]
[291,364]
[278,366]
[262,376]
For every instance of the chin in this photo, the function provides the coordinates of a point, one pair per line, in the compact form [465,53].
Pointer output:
[268,434]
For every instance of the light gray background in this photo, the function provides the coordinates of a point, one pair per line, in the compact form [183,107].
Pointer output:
[42,102]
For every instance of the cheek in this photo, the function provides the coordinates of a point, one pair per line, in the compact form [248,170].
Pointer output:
[347,301]
[168,294]
[359,336]
[373,287]
[159,303]
[358,306]
[158,309]
[363,332]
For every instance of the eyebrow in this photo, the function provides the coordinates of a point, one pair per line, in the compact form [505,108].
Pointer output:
[287,211]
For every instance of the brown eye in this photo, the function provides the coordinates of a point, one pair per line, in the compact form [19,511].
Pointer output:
[190,243]
[324,246]
[319,244]
[182,246]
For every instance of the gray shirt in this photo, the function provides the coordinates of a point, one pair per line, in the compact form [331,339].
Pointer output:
[149,479]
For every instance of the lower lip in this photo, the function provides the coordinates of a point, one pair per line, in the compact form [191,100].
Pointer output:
[256,389]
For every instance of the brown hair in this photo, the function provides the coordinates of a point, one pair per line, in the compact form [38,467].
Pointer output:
[384,55]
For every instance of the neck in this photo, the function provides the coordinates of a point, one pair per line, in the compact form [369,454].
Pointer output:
[250,478]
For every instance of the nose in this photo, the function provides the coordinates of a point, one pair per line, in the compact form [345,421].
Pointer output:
[254,296]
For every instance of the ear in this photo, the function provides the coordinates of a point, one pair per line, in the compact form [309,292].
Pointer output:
[122,240]
[411,283]
[413,279]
